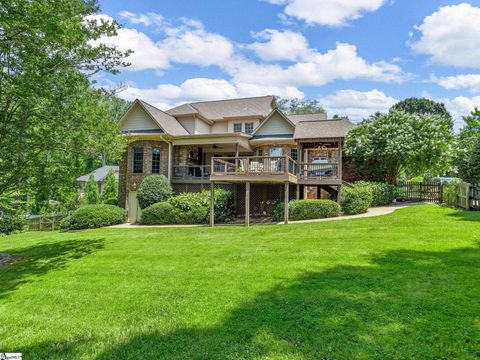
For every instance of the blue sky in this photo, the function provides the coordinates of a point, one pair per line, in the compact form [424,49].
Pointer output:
[355,56]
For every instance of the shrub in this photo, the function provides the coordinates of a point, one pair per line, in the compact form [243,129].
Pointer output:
[160,214]
[93,216]
[382,193]
[11,223]
[153,189]
[450,194]
[191,208]
[356,199]
[91,191]
[307,209]
[110,190]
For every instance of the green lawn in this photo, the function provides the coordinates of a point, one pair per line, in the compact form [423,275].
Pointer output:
[405,285]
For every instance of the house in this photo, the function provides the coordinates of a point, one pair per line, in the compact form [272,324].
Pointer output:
[246,145]
[99,175]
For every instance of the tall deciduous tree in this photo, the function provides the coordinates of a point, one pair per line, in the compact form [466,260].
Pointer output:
[421,106]
[48,52]
[400,141]
[298,106]
[468,148]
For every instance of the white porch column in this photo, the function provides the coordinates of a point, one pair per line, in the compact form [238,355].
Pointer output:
[286,198]
[247,204]
[170,162]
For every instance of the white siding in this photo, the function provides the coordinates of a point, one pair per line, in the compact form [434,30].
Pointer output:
[188,124]
[255,122]
[276,125]
[220,127]
[201,127]
[138,119]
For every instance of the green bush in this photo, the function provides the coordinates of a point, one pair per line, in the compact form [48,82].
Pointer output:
[11,223]
[162,213]
[93,216]
[153,189]
[382,193]
[356,199]
[307,209]
[91,191]
[191,208]
[110,190]
[450,194]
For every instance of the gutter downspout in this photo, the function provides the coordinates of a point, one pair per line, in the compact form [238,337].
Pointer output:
[170,156]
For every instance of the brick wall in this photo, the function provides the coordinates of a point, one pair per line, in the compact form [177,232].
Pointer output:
[127,179]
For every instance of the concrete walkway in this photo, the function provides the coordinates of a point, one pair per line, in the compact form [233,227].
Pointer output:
[374,211]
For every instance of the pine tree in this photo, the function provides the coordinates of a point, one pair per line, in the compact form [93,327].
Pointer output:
[110,190]
[91,191]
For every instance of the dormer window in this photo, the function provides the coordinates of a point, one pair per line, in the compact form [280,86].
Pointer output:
[249,127]
[237,127]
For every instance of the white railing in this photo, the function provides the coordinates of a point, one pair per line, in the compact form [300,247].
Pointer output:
[191,171]
[254,165]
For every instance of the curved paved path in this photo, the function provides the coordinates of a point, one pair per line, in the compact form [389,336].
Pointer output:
[374,211]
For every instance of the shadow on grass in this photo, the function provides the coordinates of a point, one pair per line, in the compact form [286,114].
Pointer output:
[405,304]
[40,259]
[466,215]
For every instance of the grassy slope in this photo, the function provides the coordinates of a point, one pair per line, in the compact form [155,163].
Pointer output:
[406,285]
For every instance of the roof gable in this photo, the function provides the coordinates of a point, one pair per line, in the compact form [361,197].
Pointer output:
[276,123]
[155,119]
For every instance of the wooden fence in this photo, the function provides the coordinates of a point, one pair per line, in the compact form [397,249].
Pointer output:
[468,196]
[44,222]
[420,191]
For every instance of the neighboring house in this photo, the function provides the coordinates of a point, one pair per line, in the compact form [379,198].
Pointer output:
[245,145]
[99,175]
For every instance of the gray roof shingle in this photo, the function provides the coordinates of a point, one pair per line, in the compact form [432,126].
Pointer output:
[215,110]
[100,174]
[168,123]
[325,129]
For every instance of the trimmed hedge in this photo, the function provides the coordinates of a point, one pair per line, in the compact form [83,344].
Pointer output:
[93,216]
[160,214]
[11,223]
[382,193]
[153,189]
[356,199]
[307,209]
[190,208]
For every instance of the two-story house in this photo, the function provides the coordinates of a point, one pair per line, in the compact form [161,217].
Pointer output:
[246,145]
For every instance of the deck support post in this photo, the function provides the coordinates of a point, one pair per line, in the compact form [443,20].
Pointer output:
[247,204]
[339,193]
[298,192]
[212,204]
[287,190]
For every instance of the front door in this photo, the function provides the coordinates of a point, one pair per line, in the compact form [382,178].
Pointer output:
[134,211]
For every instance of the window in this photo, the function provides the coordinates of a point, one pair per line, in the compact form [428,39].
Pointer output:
[237,127]
[155,161]
[276,151]
[248,128]
[294,154]
[137,160]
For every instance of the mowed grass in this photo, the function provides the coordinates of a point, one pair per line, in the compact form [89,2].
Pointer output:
[401,286]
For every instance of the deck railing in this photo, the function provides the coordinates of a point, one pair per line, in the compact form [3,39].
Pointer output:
[191,171]
[254,165]
[319,171]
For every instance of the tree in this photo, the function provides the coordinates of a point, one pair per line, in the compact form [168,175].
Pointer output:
[110,190]
[468,148]
[48,52]
[297,106]
[399,141]
[469,169]
[91,191]
[421,106]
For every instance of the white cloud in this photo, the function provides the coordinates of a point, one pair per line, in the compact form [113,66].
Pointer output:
[470,82]
[147,19]
[460,106]
[166,96]
[341,63]
[280,45]
[357,105]
[192,44]
[146,54]
[328,12]
[451,36]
